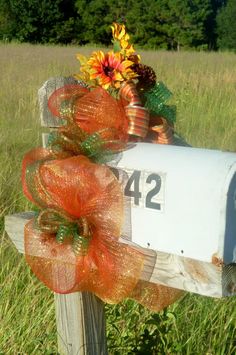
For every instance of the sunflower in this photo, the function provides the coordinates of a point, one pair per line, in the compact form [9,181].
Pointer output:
[121,42]
[84,70]
[119,34]
[109,69]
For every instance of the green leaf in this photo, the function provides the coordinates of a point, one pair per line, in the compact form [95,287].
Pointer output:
[116,46]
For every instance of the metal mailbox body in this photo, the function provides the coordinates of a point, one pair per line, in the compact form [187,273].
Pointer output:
[182,200]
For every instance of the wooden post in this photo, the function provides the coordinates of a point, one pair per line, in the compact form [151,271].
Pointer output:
[80,324]
[80,316]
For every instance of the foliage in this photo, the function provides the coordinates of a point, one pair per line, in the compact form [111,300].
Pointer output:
[34,21]
[133,329]
[226,26]
[166,24]
[171,23]
[210,24]
[93,14]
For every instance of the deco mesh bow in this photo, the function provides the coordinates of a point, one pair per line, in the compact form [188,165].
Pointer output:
[73,242]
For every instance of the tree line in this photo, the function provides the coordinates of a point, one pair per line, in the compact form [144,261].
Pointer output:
[154,24]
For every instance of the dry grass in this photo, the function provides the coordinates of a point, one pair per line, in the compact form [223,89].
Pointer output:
[204,85]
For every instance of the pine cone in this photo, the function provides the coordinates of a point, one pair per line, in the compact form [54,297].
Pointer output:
[146,76]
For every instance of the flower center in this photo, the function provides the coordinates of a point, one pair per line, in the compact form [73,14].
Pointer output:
[108,71]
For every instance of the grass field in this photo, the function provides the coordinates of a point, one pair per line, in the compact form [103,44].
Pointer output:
[204,85]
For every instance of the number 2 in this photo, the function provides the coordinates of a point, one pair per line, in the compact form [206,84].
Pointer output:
[156,189]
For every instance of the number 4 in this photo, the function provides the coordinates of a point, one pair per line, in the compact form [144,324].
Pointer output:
[135,193]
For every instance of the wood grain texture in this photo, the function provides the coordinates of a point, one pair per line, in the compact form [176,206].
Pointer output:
[80,324]
[210,279]
[52,84]
[14,226]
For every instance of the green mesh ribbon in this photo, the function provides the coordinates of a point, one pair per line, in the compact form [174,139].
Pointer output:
[60,141]
[53,221]
[80,243]
[93,146]
[155,100]
[51,139]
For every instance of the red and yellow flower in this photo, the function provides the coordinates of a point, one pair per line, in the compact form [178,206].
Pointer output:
[108,69]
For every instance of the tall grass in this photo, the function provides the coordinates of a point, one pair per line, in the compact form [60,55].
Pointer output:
[204,87]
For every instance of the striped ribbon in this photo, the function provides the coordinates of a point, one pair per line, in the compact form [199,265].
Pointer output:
[140,124]
[138,116]
[163,133]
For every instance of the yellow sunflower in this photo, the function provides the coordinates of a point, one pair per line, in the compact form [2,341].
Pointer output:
[121,38]
[84,69]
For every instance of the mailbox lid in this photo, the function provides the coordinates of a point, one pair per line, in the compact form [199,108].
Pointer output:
[179,199]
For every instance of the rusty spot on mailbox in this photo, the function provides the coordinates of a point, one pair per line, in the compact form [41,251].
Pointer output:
[216,260]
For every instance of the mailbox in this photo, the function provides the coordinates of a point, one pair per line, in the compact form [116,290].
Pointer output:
[183,201]
[180,211]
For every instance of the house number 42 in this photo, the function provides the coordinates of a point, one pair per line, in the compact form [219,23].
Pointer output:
[145,188]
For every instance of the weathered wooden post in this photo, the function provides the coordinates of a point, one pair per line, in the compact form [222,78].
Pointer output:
[183,219]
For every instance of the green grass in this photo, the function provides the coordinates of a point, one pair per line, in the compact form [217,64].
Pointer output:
[204,85]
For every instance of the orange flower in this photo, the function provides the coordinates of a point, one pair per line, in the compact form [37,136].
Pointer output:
[109,69]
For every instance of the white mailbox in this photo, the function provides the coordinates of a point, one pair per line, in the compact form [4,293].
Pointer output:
[183,204]
[183,200]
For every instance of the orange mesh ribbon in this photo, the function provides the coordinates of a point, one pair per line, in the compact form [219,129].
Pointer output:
[80,189]
[155,296]
[95,110]
[92,111]
[96,123]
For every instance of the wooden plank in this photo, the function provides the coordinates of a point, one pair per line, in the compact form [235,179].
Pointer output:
[211,279]
[187,274]
[14,226]
[80,324]
[52,84]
